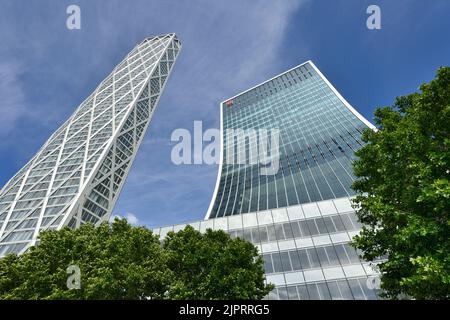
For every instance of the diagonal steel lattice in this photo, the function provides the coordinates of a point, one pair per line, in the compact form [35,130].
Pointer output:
[78,173]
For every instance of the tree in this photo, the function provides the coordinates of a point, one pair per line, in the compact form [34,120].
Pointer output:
[116,261]
[403,193]
[214,266]
[119,261]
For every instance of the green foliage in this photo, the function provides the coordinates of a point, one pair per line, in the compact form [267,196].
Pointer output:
[116,262]
[213,266]
[119,261]
[404,193]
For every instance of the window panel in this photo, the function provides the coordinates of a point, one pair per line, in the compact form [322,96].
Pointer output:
[312,227]
[288,231]
[369,293]
[296,265]
[345,290]
[285,261]
[347,222]
[329,224]
[338,223]
[356,289]
[351,253]
[268,266]
[282,293]
[279,232]
[263,234]
[304,260]
[304,228]
[322,257]
[354,220]
[334,291]
[321,226]
[332,256]
[277,266]
[271,233]
[313,258]
[323,291]
[313,291]
[255,235]
[302,292]
[342,255]
[292,293]
[296,230]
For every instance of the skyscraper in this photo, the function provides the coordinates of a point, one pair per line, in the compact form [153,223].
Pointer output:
[318,135]
[299,215]
[78,173]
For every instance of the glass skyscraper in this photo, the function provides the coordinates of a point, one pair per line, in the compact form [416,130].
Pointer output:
[318,135]
[77,175]
[299,216]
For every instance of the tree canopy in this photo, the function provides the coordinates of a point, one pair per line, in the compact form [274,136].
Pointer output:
[212,266]
[119,261]
[404,192]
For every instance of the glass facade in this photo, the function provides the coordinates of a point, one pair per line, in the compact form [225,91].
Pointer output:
[318,135]
[77,175]
[300,217]
[305,249]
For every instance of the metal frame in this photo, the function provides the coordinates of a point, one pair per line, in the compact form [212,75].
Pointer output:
[125,118]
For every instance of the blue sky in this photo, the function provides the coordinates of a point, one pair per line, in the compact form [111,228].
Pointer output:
[46,70]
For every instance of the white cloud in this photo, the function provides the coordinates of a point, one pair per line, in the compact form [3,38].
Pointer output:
[131,218]
[12,97]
